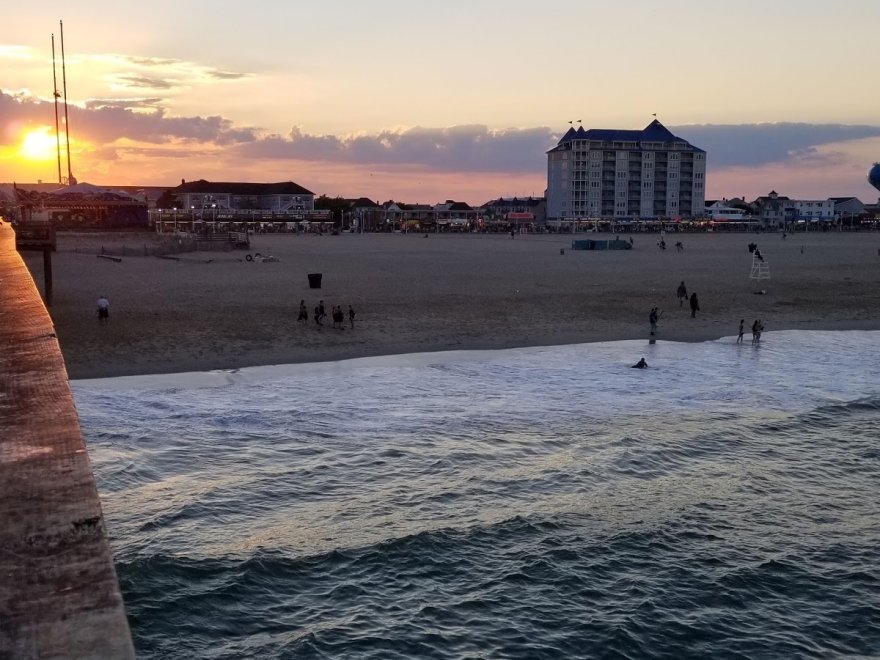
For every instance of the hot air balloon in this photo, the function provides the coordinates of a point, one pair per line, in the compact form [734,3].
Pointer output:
[874,176]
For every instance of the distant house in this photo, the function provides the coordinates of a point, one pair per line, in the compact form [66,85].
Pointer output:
[770,209]
[723,210]
[530,209]
[365,214]
[776,211]
[454,213]
[844,207]
[399,215]
[285,197]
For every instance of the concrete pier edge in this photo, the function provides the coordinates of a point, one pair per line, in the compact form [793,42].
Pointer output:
[59,594]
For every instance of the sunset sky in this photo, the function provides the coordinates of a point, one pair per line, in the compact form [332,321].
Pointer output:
[423,102]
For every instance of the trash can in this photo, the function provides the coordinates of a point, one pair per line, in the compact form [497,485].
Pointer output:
[314,280]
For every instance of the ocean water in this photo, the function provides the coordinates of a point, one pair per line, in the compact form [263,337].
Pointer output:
[528,503]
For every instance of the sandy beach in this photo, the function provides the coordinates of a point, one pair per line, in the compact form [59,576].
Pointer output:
[217,310]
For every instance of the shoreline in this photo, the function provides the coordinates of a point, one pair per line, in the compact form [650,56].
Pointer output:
[184,367]
[210,311]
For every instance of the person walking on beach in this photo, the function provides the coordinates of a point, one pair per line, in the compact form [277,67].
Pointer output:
[338,317]
[321,312]
[695,305]
[682,294]
[103,309]
[318,315]
[756,334]
[739,337]
[351,316]
[303,312]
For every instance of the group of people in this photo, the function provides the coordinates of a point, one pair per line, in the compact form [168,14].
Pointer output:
[336,314]
[757,329]
[682,294]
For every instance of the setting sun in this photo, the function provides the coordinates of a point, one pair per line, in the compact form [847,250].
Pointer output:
[39,144]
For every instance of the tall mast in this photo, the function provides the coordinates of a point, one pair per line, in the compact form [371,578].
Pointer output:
[70,180]
[55,95]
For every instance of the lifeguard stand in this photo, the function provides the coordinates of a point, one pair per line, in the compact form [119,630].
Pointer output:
[760,270]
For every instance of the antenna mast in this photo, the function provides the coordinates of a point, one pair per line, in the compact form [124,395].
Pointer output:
[56,95]
[70,180]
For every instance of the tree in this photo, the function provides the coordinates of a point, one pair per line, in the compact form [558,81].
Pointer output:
[168,200]
[334,204]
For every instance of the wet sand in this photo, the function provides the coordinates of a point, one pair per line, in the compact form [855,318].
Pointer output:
[216,310]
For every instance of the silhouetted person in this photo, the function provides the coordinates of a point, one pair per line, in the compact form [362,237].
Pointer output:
[641,364]
[695,305]
[739,337]
[351,316]
[653,317]
[103,309]
[682,294]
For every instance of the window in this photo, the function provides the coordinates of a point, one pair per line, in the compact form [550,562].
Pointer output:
[621,175]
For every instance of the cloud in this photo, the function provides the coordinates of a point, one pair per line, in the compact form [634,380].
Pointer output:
[135,81]
[143,128]
[151,103]
[475,148]
[481,149]
[140,120]
[759,144]
[177,68]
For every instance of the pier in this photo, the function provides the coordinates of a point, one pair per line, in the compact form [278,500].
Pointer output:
[59,594]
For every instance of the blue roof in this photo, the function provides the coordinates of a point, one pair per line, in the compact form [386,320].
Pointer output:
[653,132]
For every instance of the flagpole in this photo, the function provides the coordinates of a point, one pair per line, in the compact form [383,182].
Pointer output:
[70,180]
[55,96]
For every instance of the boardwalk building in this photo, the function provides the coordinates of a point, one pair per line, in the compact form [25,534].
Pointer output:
[625,174]
[285,197]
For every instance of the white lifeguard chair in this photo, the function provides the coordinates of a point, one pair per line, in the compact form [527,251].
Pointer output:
[760,270]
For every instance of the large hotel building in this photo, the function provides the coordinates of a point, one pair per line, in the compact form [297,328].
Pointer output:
[602,173]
